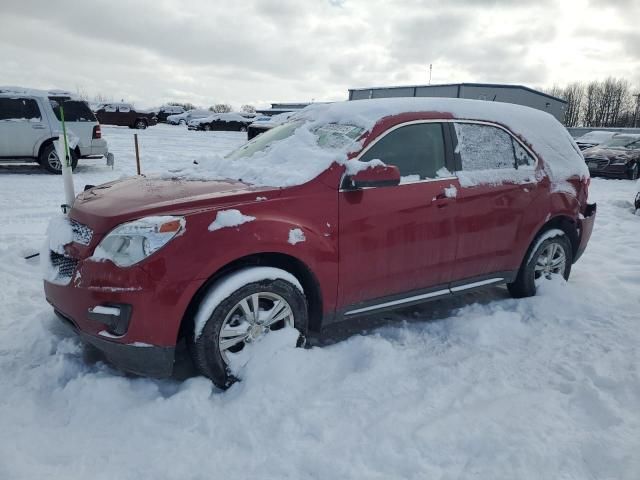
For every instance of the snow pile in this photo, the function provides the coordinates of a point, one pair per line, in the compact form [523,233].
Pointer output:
[296,236]
[59,233]
[229,218]
[451,191]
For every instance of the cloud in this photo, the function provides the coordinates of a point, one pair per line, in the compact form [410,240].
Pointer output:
[257,51]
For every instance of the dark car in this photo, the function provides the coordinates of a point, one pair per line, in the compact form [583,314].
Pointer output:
[124,115]
[320,230]
[618,157]
[230,122]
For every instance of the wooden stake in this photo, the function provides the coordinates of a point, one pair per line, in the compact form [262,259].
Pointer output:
[135,140]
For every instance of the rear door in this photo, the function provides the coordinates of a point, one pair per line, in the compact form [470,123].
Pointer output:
[78,117]
[398,240]
[495,190]
[22,126]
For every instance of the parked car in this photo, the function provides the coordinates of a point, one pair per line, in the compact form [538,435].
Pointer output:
[236,122]
[184,118]
[591,139]
[30,122]
[400,202]
[125,115]
[618,157]
[167,110]
[264,123]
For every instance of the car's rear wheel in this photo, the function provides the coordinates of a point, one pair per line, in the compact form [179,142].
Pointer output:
[634,171]
[550,256]
[140,124]
[50,161]
[238,322]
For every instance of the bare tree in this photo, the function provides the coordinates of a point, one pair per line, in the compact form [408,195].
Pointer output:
[220,108]
[573,94]
[248,108]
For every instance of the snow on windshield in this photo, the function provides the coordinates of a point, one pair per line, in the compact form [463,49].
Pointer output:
[291,154]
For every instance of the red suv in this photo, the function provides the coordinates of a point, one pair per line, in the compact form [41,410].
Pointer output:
[348,209]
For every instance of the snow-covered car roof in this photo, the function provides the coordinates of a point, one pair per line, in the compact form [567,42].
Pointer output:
[274,120]
[33,92]
[223,117]
[279,164]
[595,137]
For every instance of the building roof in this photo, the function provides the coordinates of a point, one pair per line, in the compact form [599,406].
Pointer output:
[490,85]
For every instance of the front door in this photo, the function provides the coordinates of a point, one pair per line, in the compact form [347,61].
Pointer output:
[400,239]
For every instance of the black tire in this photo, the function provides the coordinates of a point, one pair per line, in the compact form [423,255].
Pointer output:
[140,124]
[51,163]
[206,127]
[205,350]
[525,283]
[634,171]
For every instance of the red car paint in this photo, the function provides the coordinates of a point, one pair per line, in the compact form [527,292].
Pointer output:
[361,245]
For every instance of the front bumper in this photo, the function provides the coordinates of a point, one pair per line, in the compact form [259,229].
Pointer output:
[137,358]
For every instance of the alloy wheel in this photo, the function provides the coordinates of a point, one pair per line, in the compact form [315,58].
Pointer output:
[54,161]
[250,319]
[552,260]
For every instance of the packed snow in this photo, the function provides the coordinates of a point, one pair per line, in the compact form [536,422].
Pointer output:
[480,386]
[229,218]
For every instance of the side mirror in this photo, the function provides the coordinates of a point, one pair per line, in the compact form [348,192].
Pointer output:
[375,176]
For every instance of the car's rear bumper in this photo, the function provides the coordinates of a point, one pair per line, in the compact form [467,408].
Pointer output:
[138,358]
[586,228]
[97,148]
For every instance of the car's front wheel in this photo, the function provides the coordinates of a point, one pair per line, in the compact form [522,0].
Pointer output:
[226,329]
[634,171]
[140,124]
[206,127]
[551,255]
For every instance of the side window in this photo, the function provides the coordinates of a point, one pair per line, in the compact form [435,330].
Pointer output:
[483,147]
[109,108]
[417,150]
[124,108]
[523,158]
[19,109]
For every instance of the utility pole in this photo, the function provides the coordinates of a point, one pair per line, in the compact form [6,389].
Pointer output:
[637,111]
[430,69]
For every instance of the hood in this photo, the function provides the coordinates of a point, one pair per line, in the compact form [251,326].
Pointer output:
[104,206]
[610,153]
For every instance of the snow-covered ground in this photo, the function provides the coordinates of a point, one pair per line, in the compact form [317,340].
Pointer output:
[481,387]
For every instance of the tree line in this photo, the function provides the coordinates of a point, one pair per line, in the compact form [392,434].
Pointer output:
[606,103]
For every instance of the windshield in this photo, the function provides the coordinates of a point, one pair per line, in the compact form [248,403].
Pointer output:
[329,136]
[74,110]
[623,143]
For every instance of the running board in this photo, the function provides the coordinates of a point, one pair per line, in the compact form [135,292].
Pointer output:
[425,296]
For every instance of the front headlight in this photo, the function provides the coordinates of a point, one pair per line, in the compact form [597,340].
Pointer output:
[132,242]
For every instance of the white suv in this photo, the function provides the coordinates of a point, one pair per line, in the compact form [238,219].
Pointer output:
[30,122]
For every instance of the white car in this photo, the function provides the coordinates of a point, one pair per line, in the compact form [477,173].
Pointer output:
[30,122]
[184,118]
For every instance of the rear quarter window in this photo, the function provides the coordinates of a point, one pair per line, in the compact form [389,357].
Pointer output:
[74,110]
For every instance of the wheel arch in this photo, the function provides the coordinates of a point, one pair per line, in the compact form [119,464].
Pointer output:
[50,141]
[286,262]
[567,225]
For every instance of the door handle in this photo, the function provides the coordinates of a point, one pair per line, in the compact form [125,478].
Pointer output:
[38,126]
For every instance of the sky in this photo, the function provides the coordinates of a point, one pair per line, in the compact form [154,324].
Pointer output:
[260,51]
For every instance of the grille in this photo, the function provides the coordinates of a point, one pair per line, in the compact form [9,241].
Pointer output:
[65,265]
[81,233]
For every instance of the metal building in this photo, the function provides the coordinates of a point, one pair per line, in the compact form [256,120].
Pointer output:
[492,92]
